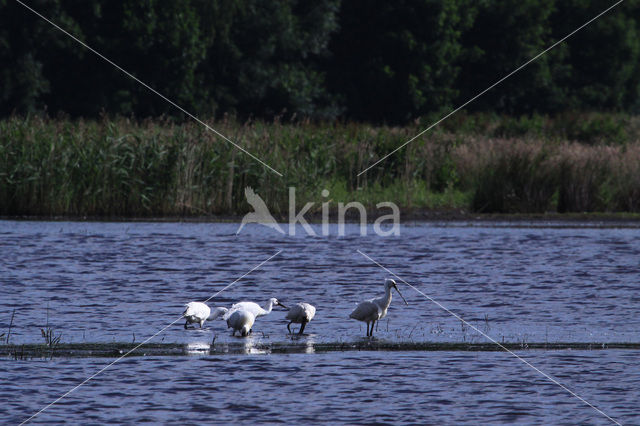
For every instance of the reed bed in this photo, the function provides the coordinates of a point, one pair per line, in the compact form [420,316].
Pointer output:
[127,168]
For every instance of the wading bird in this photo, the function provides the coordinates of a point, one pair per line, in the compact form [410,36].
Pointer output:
[254,308]
[242,321]
[373,310]
[300,313]
[199,312]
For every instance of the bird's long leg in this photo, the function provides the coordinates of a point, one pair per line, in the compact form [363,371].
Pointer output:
[185,325]
[367,329]
[372,324]
[288,327]
[302,327]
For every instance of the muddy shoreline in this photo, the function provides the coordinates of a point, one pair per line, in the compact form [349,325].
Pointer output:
[115,350]
[407,216]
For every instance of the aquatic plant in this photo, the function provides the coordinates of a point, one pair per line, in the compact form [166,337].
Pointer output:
[50,339]
[120,167]
[13,314]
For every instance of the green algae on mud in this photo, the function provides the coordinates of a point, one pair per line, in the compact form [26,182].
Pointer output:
[296,345]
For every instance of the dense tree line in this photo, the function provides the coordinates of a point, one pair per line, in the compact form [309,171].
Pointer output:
[353,59]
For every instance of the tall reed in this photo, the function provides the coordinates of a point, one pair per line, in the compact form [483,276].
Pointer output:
[123,167]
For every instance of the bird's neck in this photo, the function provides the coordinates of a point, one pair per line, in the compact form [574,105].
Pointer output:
[269,306]
[218,312]
[387,297]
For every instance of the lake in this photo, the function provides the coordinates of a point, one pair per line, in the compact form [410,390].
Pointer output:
[96,282]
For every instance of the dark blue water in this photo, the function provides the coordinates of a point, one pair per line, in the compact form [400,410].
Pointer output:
[348,387]
[105,282]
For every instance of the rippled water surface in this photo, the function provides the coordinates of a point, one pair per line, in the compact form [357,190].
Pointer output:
[351,387]
[106,282]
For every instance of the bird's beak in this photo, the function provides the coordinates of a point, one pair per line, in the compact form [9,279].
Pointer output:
[280,303]
[398,290]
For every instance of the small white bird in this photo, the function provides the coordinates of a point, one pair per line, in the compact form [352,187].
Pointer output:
[199,312]
[242,321]
[300,313]
[373,310]
[254,308]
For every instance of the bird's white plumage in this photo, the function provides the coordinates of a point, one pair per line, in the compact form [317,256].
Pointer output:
[375,309]
[241,320]
[300,313]
[198,312]
[253,307]
[367,311]
[198,309]
[218,312]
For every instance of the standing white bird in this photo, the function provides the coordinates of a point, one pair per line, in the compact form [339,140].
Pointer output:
[199,312]
[373,310]
[241,320]
[254,308]
[300,313]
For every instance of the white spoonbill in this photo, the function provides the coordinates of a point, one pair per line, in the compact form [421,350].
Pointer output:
[300,313]
[373,310]
[254,308]
[241,320]
[199,312]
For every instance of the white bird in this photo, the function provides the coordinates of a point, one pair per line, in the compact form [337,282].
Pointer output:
[241,320]
[254,308]
[199,312]
[300,313]
[373,310]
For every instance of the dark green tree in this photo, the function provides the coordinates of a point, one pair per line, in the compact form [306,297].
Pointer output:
[394,61]
[371,61]
[603,57]
[505,35]
[157,41]
[25,41]
[264,56]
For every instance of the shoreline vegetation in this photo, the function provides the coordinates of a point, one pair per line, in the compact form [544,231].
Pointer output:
[479,166]
[560,220]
